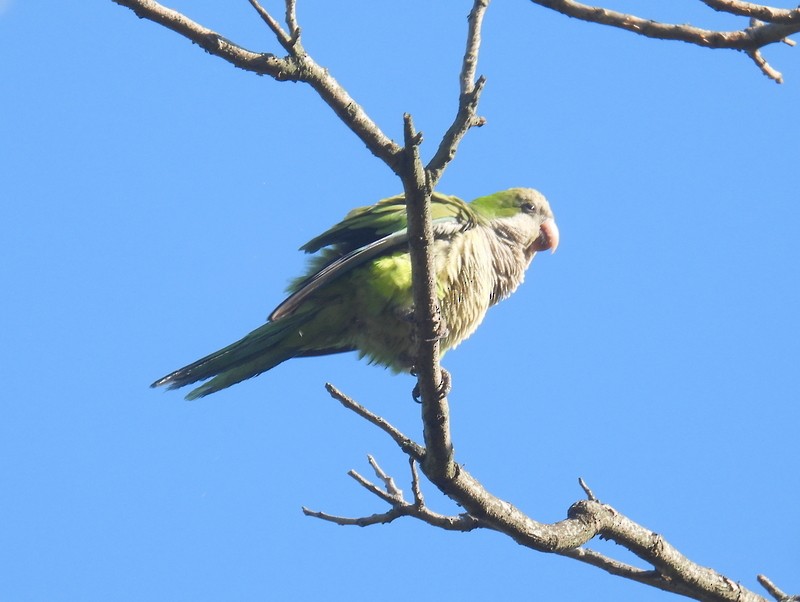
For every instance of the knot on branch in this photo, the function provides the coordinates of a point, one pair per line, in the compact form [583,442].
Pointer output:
[592,514]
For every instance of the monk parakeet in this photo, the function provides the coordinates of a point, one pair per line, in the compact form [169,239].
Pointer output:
[356,295]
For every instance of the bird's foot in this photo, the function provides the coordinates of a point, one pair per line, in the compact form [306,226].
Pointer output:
[442,391]
[445,385]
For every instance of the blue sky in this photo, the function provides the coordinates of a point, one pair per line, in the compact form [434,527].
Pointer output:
[153,198]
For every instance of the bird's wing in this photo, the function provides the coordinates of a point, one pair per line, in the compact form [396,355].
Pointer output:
[381,229]
[368,224]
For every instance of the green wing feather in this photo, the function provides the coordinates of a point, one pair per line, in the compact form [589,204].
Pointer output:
[367,224]
[364,234]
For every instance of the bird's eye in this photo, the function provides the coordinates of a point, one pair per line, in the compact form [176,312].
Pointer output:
[529,207]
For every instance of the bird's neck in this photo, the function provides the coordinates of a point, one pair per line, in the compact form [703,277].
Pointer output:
[509,258]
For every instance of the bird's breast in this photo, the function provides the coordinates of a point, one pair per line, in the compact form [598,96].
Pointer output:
[465,284]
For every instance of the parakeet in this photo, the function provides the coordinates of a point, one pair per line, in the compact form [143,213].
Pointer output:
[356,294]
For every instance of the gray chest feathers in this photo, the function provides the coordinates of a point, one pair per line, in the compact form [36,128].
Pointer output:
[475,271]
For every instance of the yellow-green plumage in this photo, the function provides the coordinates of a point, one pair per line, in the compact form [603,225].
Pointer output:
[357,292]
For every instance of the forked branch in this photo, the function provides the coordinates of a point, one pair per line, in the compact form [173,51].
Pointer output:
[670,570]
[297,66]
[399,505]
[772,25]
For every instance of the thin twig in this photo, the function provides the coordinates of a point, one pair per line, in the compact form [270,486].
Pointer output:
[765,67]
[411,448]
[291,21]
[374,489]
[466,116]
[273,24]
[364,521]
[388,482]
[775,591]
[419,500]
[469,65]
[399,507]
[586,490]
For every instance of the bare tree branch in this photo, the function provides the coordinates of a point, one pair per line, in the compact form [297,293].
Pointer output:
[387,497]
[750,39]
[756,11]
[418,184]
[586,519]
[409,447]
[399,506]
[589,494]
[775,591]
[469,65]
[419,500]
[298,68]
[746,39]
[765,67]
[427,316]
[284,38]
[466,116]
[388,482]
[291,20]
[363,521]
[212,42]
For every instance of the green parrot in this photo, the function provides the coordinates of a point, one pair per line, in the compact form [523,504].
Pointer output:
[356,294]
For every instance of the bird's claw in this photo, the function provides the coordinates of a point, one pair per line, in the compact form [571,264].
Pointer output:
[442,391]
[445,385]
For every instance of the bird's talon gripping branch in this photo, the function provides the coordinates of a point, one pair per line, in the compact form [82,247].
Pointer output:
[416,394]
[442,391]
[445,385]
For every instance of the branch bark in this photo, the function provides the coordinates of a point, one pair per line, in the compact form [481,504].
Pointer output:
[586,519]
[297,66]
[755,11]
[773,25]
[750,38]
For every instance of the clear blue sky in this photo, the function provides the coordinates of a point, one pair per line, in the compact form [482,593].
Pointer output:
[153,198]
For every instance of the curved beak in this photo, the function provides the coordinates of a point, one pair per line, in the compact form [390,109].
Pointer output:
[548,237]
[550,233]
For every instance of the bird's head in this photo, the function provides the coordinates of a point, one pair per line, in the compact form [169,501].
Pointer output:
[523,214]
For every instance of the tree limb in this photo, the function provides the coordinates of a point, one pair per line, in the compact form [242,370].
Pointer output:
[297,67]
[775,26]
[755,11]
[466,116]
[418,184]
[399,506]
[775,591]
[672,571]
[409,447]
[751,38]
[427,315]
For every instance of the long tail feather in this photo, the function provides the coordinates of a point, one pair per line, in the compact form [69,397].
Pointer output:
[257,352]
